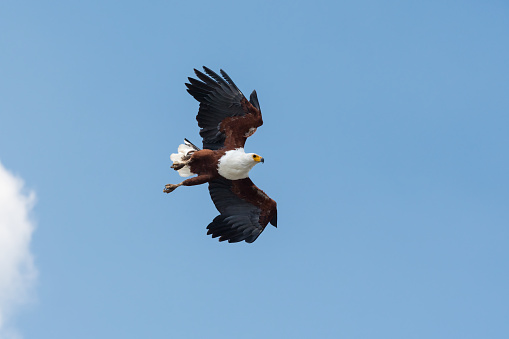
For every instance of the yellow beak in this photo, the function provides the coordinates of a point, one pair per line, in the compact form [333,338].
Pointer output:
[258,159]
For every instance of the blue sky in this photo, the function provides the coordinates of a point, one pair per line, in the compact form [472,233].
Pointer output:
[385,145]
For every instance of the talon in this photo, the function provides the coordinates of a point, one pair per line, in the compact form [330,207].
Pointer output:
[176,166]
[170,188]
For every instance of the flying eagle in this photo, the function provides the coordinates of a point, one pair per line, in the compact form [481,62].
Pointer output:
[226,119]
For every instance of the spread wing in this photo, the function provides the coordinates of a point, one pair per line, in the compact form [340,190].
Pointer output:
[245,210]
[224,111]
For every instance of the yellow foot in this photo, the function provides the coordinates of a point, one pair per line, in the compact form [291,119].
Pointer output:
[170,188]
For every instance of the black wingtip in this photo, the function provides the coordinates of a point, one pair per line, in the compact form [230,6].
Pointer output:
[227,231]
[227,78]
[253,99]
[214,75]
[273,221]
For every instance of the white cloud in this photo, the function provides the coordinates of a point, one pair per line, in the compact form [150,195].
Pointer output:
[17,271]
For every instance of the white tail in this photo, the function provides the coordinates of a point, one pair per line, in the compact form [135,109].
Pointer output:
[177,158]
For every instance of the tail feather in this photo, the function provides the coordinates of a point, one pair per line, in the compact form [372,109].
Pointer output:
[181,157]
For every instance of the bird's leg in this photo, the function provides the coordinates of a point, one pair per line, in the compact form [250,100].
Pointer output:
[170,188]
[201,179]
[185,160]
[178,165]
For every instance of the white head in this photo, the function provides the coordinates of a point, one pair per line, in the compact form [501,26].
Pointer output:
[250,159]
[236,164]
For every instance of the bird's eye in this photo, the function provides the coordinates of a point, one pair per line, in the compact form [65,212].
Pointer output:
[254,156]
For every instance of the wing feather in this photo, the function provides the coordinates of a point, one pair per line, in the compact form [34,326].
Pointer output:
[220,99]
[242,218]
[253,99]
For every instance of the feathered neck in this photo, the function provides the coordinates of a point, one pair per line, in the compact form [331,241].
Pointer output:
[236,164]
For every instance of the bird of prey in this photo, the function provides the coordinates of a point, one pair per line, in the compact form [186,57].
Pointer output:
[226,119]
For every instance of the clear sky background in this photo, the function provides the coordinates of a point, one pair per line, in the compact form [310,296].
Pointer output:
[386,143]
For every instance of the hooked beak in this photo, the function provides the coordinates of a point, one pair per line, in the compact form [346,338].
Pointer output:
[262,160]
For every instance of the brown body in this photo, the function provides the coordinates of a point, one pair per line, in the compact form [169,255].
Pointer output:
[204,163]
[237,129]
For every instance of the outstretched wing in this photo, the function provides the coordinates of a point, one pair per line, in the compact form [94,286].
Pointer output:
[245,210]
[221,101]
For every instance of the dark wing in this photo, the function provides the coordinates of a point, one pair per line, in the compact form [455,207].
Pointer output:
[221,99]
[245,210]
